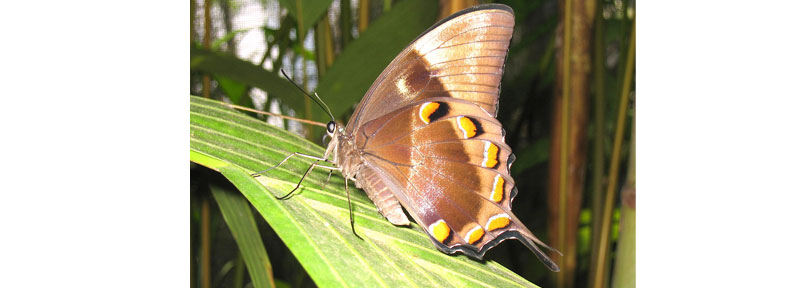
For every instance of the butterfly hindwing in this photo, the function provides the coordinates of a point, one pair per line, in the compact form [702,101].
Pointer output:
[456,163]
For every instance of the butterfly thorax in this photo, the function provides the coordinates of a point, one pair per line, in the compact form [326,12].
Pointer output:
[344,154]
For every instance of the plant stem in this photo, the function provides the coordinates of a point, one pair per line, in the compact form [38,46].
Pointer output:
[205,241]
[561,278]
[625,266]
[363,15]
[206,44]
[613,175]
[598,161]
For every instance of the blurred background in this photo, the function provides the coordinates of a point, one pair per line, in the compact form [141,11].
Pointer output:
[567,105]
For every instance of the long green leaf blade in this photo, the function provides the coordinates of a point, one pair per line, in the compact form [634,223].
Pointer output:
[247,73]
[314,224]
[236,212]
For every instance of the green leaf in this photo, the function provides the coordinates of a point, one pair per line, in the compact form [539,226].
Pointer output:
[364,59]
[314,224]
[247,73]
[235,91]
[312,10]
[236,212]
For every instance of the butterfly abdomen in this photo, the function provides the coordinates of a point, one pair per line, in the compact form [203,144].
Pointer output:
[380,194]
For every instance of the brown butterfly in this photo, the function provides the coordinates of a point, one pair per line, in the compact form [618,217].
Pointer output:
[425,137]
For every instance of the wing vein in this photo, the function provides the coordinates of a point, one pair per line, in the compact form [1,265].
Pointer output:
[476,41]
[471,57]
[466,31]
[467,73]
[467,91]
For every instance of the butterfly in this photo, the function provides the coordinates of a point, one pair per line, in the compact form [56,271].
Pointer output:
[425,137]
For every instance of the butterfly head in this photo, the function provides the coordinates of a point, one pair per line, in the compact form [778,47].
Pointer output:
[333,134]
[330,132]
[331,127]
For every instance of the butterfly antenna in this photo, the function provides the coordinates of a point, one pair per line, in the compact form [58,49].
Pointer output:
[315,97]
[276,115]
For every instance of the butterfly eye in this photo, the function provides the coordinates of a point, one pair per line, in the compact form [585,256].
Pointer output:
[331,127]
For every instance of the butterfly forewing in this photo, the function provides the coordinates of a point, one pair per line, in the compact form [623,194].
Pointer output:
[461,57]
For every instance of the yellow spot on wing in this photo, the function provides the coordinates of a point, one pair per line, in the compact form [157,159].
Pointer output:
[498,221]
[467,127]
[497,189]
[426,110]
[474,234]
[440,230]
[490,155]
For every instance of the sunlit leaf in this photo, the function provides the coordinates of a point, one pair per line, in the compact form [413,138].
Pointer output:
[314,224]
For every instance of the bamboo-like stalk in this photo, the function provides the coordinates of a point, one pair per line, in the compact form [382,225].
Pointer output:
[448,7]
[600,278]
[329,55]
[570,134]
[363,15]
[226,20]
[387,5]
[301,37]
[625,265]
[206,44]
[323,45]
[563,150]
[562,157]
[598,163]
[345,24]
[319,46]
[205,241]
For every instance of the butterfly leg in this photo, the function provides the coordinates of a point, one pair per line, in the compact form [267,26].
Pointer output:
[329,179]
[287,158]
[350,205]
[288,195]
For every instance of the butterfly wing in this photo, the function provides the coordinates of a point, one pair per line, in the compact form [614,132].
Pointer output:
[427,129]
[461,57]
